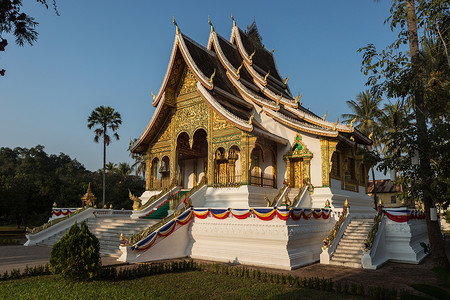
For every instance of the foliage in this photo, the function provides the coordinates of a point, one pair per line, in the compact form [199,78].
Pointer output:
[28,272]
[139,160]
[14,19]
[77,254]
[103,119]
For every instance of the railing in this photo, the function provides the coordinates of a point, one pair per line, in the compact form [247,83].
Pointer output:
[350,184]
[297,198]
[280,193]
[329,239]
[227,181]
[176,199]
[111,212]
[53,222]
[162,183]
[368,242]
[157,196]
[146,232]
[262,180]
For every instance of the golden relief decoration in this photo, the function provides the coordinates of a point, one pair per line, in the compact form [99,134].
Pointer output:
[219,123]
[328,147]
[191,118]
[188,82]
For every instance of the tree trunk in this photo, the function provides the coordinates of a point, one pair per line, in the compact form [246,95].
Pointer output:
[375,204]
[104,166]
[434,233]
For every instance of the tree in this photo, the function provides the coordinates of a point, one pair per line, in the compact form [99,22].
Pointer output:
[366,113]
[13,19]
[111,167]
[123,170]
[401,75]
[139,160]
[104,118]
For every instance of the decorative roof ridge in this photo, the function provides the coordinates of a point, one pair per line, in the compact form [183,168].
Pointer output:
[238,122]
[320,122]
[269,93]
[250,95]
[347,140]
[222,57]
[150,124]
[233,97]
[190,61]
[276,81]
[265,133]
[362,136]
[300,126]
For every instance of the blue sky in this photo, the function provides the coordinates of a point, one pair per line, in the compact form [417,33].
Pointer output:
[114,53]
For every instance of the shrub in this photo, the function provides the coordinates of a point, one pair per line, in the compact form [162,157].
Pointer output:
[77,254]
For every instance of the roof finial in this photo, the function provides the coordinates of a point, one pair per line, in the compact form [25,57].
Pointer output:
[176,25]
[251,118]
[351,122]
[271,51]
[352,138]
[210,24]
[212,76]
[240,67]
[298,98]
[335,123]
[267,75]
[153,96]
[278,100]
[251,55]
[286,80]
[324,116]
[371,135]
[232,18]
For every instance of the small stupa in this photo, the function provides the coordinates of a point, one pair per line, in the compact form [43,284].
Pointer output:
[88,199]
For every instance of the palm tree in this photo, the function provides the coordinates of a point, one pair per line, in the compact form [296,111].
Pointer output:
[111,167]
[366,113]
[139,160]
[123,170]
[104,118]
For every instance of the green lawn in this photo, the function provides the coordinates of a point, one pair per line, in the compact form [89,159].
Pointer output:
[184,285]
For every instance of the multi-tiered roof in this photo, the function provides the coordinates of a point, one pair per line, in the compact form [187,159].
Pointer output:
[236,76]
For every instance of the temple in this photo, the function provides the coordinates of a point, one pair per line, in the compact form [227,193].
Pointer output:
[225,114]
[238,171]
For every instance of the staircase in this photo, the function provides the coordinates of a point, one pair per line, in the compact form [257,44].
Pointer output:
[350,248]
[108,231]
[293,192]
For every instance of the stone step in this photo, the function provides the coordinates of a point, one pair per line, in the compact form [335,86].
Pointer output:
[351,251]
[346,264]
[349,256]
[352,247]
[347,259]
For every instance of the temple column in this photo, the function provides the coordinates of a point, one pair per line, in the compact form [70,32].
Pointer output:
[148,173]
[327,148]
[245,158]
[288,171]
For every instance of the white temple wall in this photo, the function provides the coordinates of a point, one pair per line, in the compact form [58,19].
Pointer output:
[188,173]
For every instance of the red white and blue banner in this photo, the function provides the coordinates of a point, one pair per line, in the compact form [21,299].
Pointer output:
[404,215]
[265,214]
[63,211]
[164,231]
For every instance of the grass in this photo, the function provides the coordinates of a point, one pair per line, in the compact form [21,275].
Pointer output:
[184,285]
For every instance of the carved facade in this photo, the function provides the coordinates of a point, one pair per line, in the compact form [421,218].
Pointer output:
[225,114]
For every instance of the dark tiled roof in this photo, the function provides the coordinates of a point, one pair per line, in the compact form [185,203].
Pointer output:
[383,186]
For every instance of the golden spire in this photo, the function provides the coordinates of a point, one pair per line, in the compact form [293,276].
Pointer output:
[278,100]
[327,204]
[251,118]
[212,76]
[153,96]
[240,67]
[298,98]
[352,121]
[271,51]
[251,55]
[286,80]
[380,202]
[232,18]
[324,116]
[346,203]
[176,25]
[267,75]
[210,24]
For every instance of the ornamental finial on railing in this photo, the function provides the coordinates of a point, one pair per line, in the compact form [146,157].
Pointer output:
[333,232]
[327,204]
[368,242]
